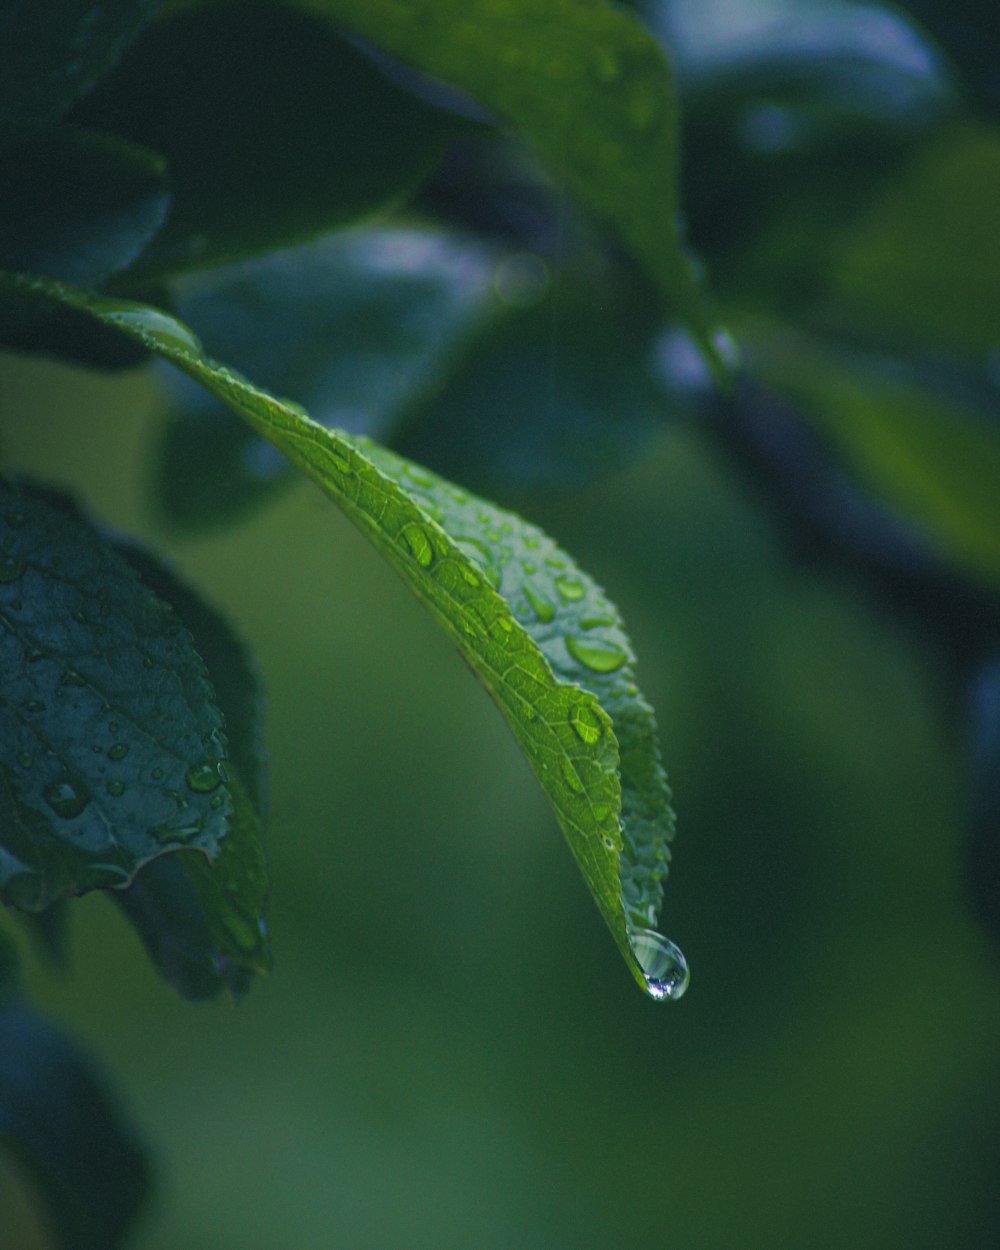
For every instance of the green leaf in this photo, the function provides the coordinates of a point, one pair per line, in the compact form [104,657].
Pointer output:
[112,749]
[61,1122]
[934,458]
[539,634]
[74,204]
[923,264]
[586,84]
[275,129]
[51,53]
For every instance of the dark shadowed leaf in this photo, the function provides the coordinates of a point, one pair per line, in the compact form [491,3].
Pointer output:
[983,854]
[52,52]
[58,1118]
[275,129]
[113,750]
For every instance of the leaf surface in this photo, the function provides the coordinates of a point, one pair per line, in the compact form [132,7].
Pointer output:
[540,635]
[112,749]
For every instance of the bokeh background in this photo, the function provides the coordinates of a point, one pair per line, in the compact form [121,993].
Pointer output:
[449,1052]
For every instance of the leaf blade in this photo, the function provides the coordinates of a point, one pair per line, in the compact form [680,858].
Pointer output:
[567,735]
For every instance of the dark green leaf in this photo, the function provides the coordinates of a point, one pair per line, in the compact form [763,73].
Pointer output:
[76,205]
[923,264]
[112,747]
[274,127]
[586,84]
[367,320]
[934,458]
[58,1118]
[541,636]
[983,855]
[51,53]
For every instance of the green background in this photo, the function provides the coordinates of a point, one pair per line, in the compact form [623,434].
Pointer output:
[449,1053]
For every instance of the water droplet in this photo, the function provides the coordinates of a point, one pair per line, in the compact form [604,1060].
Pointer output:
[216,802]
[178,833]
[203,778]
[118,751]
[662,963]
[531,541]
[67,796]
[494,535]
[529,566]
[11,569]
[599,656]
[543,609]
[586,723]
[415,537]
[555,562]
[570,588]
[165,330]
[592,622]
[71,678]
[157,774]
[33,705]
[24,759]
[147,661]
[115,788]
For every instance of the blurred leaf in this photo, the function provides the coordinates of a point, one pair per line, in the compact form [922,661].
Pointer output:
[923,265]
[367,320]
[541,636]
[48,931]
[60,1121]
[74,204]
[274,128]
[585,83]
[51,53]
[558,392]
[933,458]
[112,747]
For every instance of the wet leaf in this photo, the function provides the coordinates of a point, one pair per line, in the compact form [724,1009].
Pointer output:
[113,750]
[539,634]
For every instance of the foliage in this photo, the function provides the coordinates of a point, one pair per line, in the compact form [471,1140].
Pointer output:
[451,234]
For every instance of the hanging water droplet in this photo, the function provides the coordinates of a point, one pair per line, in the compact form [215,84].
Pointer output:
[67,796]
[11,569]
[71,678]
[595,654]
[115,788]
[570,588]
[415,537]
[586,723]
[203,778]
[118,751]
[662,963]
[165,330]
[542,607]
